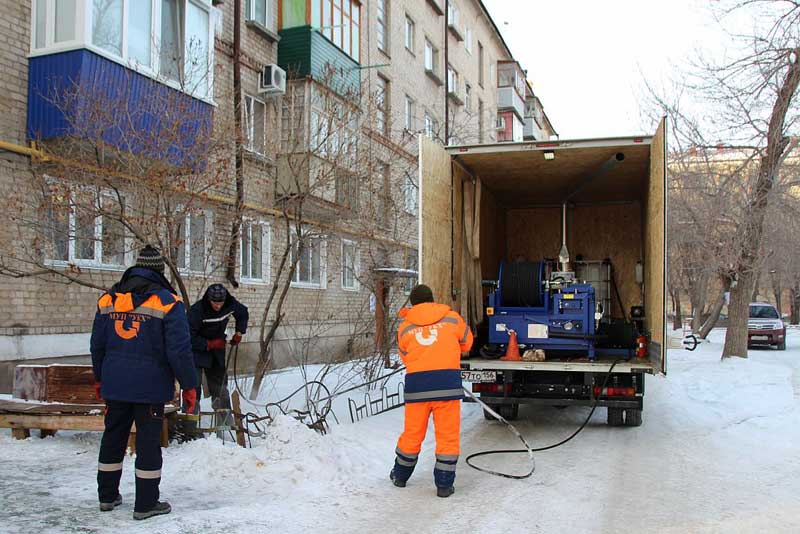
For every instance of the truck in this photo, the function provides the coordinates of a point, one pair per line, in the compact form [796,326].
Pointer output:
[560,245]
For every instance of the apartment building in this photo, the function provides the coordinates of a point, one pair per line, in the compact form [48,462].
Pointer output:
[365,78]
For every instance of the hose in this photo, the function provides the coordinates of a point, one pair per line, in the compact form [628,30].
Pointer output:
[528,449]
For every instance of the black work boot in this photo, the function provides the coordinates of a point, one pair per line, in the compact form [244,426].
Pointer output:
[396,481]
[108,506]
[161,508]
[445,492]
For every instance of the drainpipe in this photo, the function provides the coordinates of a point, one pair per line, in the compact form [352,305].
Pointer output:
[239,158]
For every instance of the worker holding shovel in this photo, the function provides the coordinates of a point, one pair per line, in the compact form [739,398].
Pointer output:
[430,340]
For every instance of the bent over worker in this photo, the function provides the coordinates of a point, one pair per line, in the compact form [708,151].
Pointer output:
[208,319]
[139,345]
[430,340]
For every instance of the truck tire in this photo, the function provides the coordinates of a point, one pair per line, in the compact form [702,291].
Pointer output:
[615,416]
[633,417]
[509,411]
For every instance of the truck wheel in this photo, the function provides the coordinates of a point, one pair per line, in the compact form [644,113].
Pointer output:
[615,416]
[633,417]
[509,411]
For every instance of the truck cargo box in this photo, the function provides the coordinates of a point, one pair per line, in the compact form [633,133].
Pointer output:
[483,204]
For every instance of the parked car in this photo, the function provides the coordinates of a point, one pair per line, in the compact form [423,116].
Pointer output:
[765,326]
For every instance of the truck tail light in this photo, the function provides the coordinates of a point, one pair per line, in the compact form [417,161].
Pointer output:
[614,392]
[484,387]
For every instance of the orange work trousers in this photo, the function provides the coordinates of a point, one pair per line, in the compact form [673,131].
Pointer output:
[446,425]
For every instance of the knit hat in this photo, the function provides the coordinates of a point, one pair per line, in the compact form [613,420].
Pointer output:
[217,293]
[420,294]
[150,258]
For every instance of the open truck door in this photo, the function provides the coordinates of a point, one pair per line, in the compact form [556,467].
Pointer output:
[655,288]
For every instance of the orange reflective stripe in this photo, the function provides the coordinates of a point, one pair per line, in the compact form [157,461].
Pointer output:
[105,304]
[154,307]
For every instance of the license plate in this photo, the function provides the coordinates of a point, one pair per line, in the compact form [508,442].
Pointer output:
[479,376]
[759,338]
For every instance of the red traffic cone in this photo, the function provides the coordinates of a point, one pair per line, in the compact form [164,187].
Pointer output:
[512,350]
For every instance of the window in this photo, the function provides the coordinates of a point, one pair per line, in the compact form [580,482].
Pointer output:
[492,71]
[453,15]
[350,261]
[467,96]
[430,125]
[259,11]
[339,21]
[385,194]
[480,121]
[452,80]
[84,227]
[468,40]
[409,34]
[382,26]
[382,105]
[410,194]
[193,243]
[310,269]
[167,39]
[255,116]
[346,189]
[409,114]
[431,57]
[480,64]
[255,251]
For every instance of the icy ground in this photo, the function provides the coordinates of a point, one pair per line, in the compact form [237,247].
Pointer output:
[718,452]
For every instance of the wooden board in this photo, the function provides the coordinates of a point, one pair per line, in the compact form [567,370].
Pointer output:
[30,382]
[655,248]
[435,183]
[55,383]
[593,232]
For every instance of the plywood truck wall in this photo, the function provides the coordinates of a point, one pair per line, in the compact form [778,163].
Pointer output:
[655,244]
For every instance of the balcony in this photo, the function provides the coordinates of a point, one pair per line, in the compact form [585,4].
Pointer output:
[303,51]
[436,6]
[531,130]
[84,94]
[508,99]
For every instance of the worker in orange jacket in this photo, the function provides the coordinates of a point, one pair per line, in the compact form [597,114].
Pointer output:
[430,340]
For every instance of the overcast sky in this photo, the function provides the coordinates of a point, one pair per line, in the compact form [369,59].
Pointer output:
[585,59]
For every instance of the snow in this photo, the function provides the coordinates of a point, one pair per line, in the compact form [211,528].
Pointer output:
[718,452]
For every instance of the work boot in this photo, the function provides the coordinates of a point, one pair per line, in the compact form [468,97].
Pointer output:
[161,508]
[445,492]
[108,506]
[396,481]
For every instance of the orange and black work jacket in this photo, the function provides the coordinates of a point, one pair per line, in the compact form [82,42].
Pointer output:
[430,341]
[140,340]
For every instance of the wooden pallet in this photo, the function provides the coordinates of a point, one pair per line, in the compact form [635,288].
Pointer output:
[22,416]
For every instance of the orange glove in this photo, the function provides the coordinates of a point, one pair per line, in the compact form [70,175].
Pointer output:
[236,339]
[189,397]
[97,391]
[218,343]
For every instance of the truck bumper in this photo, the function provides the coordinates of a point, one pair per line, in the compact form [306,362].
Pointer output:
[636,403]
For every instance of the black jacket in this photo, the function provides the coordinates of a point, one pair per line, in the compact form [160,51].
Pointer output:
[206,324]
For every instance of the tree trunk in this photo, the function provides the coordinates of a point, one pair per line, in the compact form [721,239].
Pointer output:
[677,322]
[713,318]
[795,305]
[738,314]
[756,288]
[777,290]
[699,297]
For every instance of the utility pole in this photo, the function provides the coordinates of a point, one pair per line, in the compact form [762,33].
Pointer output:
[446,76]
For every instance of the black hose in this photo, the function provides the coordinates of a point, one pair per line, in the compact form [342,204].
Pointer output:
[521,285]
[529,450]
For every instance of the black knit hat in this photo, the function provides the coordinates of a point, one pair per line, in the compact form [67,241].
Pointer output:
[217,293]
[150,258]
[420,294]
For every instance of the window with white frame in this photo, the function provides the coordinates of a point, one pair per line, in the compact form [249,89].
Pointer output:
[255,123]
[255,251]
[166,39]
[193,243]
[259,11]
[84,226]
[410,114]
[468,40]
[467,96]
[453,15]
[346,188]
[350,265]
[310,269]
[429,128]
[382,26]
[410,194]
[452,80]
[431,57]
[382,105]
[340,22]
[409,34]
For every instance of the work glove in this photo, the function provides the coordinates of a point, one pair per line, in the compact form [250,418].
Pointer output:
[218,343]
[189,397]
[97,391]
[236,339]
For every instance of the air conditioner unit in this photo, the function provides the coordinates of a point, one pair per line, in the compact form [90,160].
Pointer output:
[272,80]
[500,124]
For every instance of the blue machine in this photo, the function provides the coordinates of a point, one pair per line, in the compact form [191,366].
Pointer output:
[553,313]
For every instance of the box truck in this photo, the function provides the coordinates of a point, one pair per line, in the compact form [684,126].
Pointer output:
[558,247]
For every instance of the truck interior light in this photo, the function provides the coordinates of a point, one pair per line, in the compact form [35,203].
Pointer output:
[549,155]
